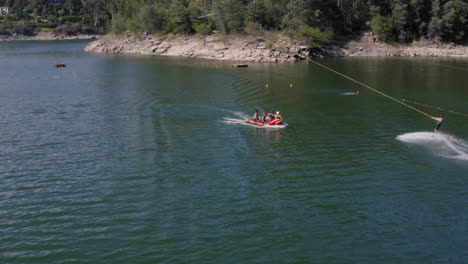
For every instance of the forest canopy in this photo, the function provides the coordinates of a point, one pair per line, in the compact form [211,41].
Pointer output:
[390,20]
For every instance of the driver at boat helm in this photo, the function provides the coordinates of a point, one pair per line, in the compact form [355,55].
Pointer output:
[278,116]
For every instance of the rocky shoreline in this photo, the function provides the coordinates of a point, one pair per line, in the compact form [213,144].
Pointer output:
[232,48]
[266,49]
[259,49]
[46,36]
[368,45]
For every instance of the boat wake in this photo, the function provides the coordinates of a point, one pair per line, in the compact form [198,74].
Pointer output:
[440,144]
[348,94]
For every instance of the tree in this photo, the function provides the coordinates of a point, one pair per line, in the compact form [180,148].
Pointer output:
[383,27]
[234,13]
[349,10]
[179,20]
[313,35]
[400,19]
[418,18]
[435,26]
[267,13]
[99,10]
[455,20]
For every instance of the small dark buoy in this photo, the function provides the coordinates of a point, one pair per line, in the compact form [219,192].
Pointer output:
[241,65]
[60,65]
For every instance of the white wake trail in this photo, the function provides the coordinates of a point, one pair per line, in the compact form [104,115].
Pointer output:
[440,144]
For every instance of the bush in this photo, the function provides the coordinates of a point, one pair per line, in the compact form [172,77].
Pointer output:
[86,29]
[45,25]
[253,29]
[118,24]
[11,17]
[44,29]
[270,36]
[67,29]
[4,30]
[202,28]
[24,29]
[383,27]
[314,35]
[72,19]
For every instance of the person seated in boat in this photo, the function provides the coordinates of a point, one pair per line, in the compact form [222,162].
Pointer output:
[439,120]
[264,116]
[269,117]
[255,115]
[277,119]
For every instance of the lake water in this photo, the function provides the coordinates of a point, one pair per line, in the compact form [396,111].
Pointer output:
[136,159]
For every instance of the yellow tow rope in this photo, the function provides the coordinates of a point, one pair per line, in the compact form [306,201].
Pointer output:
[368,87]
[434,107]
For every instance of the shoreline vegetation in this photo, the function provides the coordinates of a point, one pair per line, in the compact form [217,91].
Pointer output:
[247,31]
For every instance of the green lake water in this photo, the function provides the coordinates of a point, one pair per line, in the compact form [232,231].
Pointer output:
[137,159]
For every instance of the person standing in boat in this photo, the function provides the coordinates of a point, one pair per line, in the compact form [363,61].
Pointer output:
[439,120]
[255,115]
[278,116]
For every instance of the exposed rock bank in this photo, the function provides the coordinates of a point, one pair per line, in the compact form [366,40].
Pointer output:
[368,45]
[44,36]
[245,49]
[251,49]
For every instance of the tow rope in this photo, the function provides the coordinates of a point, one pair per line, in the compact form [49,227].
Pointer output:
[434,107]
[368,87]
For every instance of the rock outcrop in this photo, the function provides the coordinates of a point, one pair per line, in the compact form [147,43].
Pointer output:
[242,49]
[250,49]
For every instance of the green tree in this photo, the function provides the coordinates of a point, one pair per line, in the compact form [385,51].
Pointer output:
[435,25]
[267,13]
[24,29]
[455,20]
[400,19]
[99,10]
[234,13]
[147,19]
[118,24]
[313,35]
[253,29]
[419,18]
[383,27]
[178,18]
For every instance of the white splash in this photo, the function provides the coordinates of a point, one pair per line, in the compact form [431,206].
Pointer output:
[235,121]
[348,94]
[440,144]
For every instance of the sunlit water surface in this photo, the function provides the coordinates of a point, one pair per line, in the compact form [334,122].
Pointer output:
[134,159]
